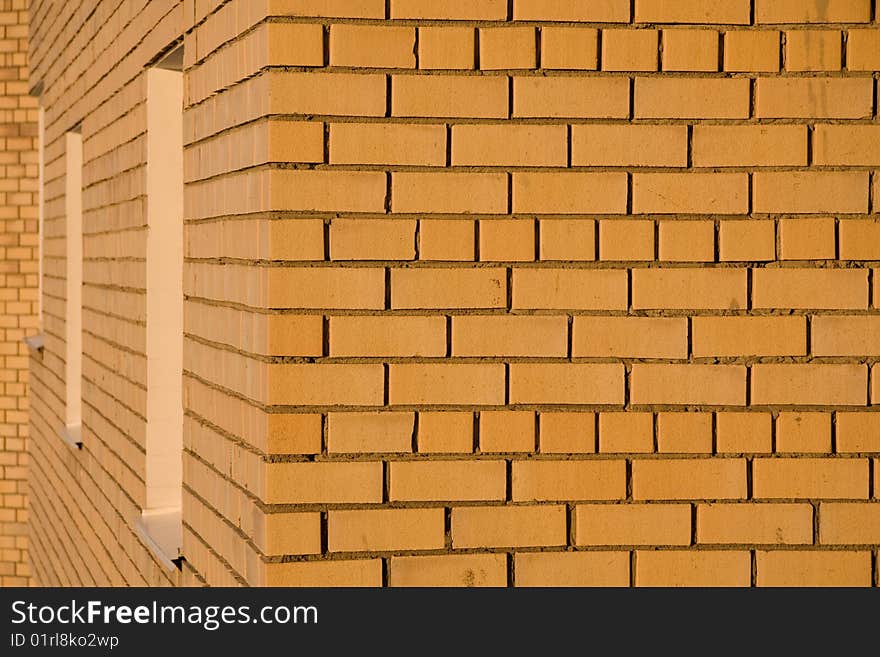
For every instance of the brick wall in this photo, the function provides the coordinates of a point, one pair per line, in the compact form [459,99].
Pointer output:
[18,282]
[482,293]
[89,59]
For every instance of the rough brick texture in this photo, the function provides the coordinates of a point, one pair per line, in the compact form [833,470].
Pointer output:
[531,293]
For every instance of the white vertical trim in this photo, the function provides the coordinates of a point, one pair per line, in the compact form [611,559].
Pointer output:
[73,305]
[41,163]
[164,435]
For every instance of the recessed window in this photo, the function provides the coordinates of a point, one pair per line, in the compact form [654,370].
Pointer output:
[36,342]
[164,341]
[41,154]
[74,275]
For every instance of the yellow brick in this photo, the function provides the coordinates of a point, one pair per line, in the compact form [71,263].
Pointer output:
[858,432]
[507,48]
[680,568]
[372,239]
[571,569]
[570,97]
[718,289]
[569,48]
[687,241]
[749,336]
[628,145]
[803,432]
[368,46]
[503,240]
[849,523]
[863,50]
[488,10]
[568,239]
[315,483]
[509,145]
[692,11]
[296,141]
[320,385]
[813,50]
[854,145]
[628,432]
[387,336]
[567,433]
[466,570]
[689,479]
[362,572]
[845,335]
[775,524]
[544,481]
[332,191]
[446,239]
[378,143]
[569,193]
[331,8]
[814,568]
[446,48]
[740,433]
[629,337]
[508,526]
[836,289]
[812,11]
[449,96]
[814,385]
[632,524]
[566,384]
[442,384]
[562,289]
[807,239]
[445,432]
[507,431]
[288,533]
[624,239]
[375,432]
[587,11]
[751,50]
[447,481]
[807,478]
[337,94]
[379,530]
[763,145]
[630,50]
[690,50]
[797,98]
[521,336]
[448,288]
[691,98]
[449,193]
[697,193]
[684,433]
[294,44]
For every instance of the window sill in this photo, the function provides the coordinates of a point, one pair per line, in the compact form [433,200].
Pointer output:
[35,343]
[161,530]
[72,435]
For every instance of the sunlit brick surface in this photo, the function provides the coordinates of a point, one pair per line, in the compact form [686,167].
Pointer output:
[478,293]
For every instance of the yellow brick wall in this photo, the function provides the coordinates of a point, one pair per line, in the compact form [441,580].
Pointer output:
[480,293]
[18,283]
[89,59]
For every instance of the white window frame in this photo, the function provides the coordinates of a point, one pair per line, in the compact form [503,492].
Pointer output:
[41,208]
[73,154]
[35,342]
[160,523]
